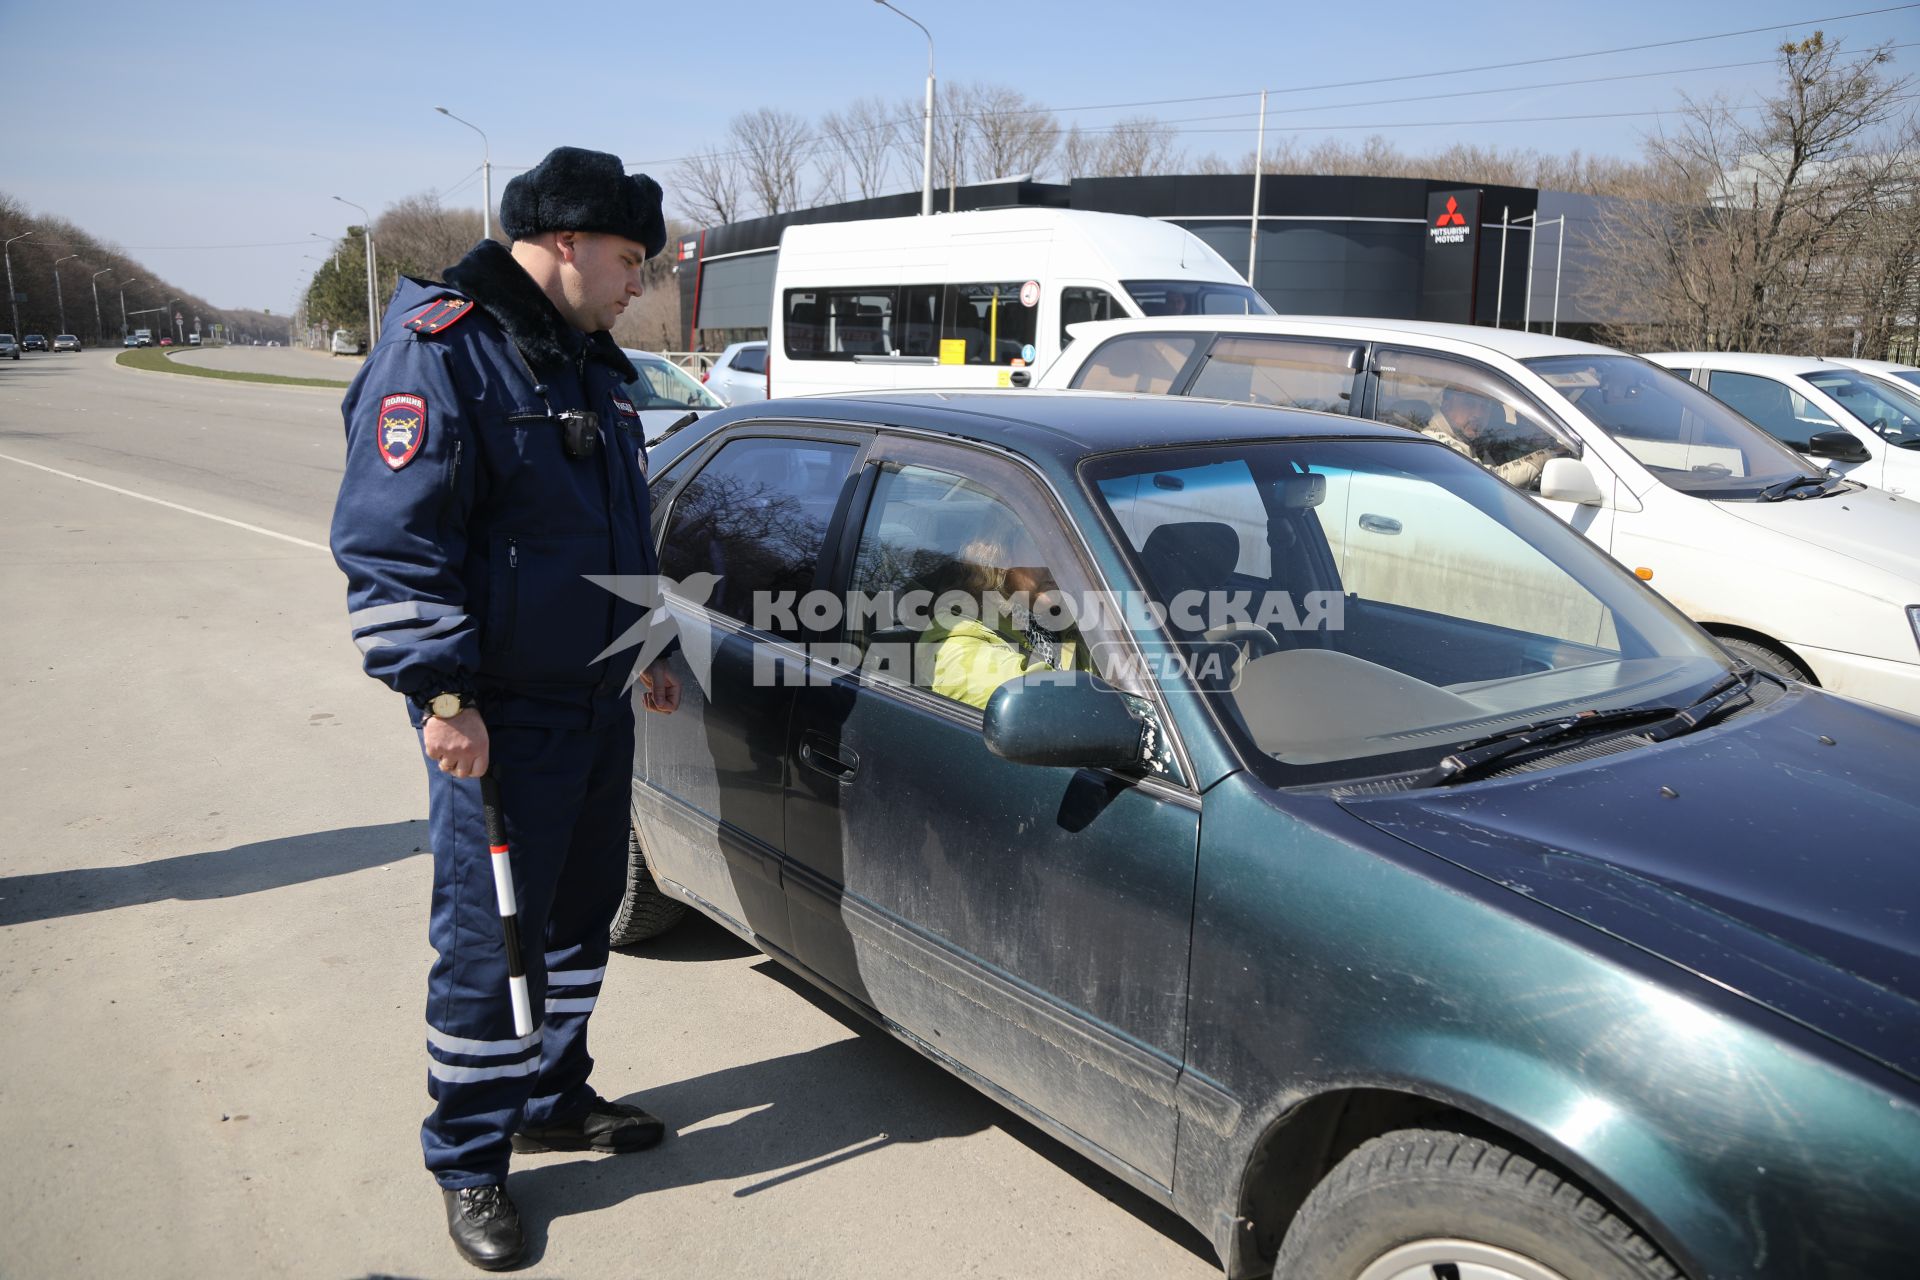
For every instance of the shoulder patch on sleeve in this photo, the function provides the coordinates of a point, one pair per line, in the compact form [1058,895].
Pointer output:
[439,315]
[401,429]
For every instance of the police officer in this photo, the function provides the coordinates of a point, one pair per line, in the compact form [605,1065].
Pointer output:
[493,463]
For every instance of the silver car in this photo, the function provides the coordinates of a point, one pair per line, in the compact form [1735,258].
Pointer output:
[740,374]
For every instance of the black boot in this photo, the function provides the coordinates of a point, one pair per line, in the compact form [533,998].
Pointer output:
[604,1126]
[485,1226]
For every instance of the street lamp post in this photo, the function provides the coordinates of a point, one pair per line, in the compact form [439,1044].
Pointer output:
[926,145]
[124,330]
[99,329]
[373,318]
[168,322]
[6,251]
[486,172]
[60,298]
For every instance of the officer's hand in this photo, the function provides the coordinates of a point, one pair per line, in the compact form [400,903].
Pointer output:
[663,689]
[457,744]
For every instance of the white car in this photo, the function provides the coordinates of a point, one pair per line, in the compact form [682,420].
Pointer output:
[1794,570]
[1860,425]
[664,394]
[740,374]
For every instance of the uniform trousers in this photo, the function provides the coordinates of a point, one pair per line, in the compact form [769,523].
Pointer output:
[565,796]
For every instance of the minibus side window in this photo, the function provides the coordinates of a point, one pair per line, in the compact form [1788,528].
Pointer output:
[992,322]
[1080,304]
[838,324]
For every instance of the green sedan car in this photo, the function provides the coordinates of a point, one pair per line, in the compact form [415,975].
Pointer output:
[1293,818]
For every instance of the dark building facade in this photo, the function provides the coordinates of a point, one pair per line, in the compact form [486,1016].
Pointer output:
[1399,248]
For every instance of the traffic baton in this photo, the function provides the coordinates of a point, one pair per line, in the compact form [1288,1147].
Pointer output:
[509,908]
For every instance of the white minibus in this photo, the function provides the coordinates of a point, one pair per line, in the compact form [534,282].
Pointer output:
[975,299]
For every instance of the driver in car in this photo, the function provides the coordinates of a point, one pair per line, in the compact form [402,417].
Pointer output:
[1014,634]
[1474,426]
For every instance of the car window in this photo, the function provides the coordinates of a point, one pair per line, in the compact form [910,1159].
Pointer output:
[957,592]
[839,324]
[1472,411]
[1140,362]
[1769,404]
[755,517]
[663,386]
[1281,371]
[1689,440]
[1081,303]
[1195,298]
[992,323]
[1892,413]
[751,360]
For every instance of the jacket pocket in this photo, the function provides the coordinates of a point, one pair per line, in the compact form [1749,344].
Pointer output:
[555,622]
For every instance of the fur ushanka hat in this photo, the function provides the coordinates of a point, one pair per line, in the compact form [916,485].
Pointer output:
[578,190]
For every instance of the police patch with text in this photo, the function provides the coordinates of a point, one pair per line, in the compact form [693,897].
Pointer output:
[401,429]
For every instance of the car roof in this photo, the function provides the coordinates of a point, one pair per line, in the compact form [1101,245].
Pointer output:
[1742,362]
[1064,426]
[1512,343]
[1875,366]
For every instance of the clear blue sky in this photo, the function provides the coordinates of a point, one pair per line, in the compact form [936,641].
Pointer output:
[226,124]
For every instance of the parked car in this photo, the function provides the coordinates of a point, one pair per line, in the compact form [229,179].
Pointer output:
[663,394]
[1375,929]
[66,342]
[35,342]
[1789,568]
[9,347]
[1858,425]
[1906,375]
[345,343]
[739,376]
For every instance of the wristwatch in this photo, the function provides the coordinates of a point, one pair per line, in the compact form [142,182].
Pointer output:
[445,706]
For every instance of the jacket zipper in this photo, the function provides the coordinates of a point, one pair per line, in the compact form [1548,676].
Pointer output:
[453,472]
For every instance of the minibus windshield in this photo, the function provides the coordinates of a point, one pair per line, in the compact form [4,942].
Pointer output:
[1195,298]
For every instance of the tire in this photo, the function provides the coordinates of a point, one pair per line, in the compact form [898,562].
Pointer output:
[1755,654]
[1425,1202]
[645,912]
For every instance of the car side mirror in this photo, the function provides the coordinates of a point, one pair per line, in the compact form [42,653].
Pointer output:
[1570,480]
[1063,719]
[1841,446]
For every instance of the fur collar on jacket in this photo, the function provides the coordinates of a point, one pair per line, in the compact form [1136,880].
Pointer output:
[502,288]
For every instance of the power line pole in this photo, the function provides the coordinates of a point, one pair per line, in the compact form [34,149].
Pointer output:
[6,251]
[59,297]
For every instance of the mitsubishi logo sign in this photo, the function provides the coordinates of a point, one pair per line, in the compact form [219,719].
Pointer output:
[1450,216]
[1453,222]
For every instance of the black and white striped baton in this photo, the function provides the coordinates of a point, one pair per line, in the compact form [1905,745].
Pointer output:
[509,908]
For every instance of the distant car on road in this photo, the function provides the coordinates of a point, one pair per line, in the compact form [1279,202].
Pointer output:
[193,339]
[345,343]
[9,347]
[65,342]
[35,342]
[166,342]
[132,340]
[740,374]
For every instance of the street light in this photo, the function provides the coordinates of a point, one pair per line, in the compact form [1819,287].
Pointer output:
[366,229]
[166,320]
[99,329]
[926,146]
[6,251]
[124,330]
[486,172]
[60,297]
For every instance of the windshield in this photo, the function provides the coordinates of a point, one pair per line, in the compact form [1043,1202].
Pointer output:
[1195,298]
[665,385]
[1362,607]
[1686,438]
[1908,375]
[1893,414]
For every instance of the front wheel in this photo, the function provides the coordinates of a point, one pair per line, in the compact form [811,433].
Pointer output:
[645,912]
[1421,1203]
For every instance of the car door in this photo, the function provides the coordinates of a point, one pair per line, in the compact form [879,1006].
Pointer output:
[744,522]
[1408,388]
[1031,924]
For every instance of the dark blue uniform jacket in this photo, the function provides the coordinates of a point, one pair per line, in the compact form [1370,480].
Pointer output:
[464,529]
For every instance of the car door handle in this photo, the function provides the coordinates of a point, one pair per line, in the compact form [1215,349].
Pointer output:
[820,754]
[1379,524]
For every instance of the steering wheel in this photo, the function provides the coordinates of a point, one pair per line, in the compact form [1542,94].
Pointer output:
[1253,641]
[1718,470]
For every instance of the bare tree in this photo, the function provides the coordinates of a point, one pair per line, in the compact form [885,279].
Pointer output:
[416,236]
[1136,147]
[863,138]
[772,145]
[1745,234]
[706,185]
[1009,133]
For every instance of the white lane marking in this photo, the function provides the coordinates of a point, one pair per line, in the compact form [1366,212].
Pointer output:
[192,511]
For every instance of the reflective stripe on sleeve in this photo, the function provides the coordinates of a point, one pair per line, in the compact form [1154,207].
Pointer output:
[581,1004]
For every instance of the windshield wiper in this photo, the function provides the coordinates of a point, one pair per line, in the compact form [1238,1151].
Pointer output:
[1475,757]
[1785,488]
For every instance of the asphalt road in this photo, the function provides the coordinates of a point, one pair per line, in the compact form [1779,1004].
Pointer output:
[213,933]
